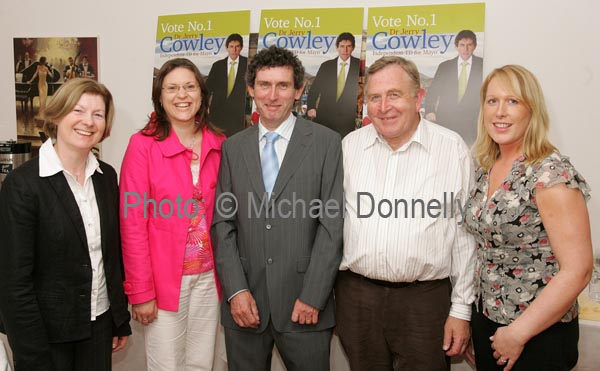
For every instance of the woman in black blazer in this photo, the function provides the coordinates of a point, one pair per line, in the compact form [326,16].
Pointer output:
[61,295]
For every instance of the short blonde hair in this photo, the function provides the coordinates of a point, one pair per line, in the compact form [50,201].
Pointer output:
[67,96]
[524,85]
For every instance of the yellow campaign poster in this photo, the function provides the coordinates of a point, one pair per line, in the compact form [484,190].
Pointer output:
[218,44]
[329,44]
[438,39]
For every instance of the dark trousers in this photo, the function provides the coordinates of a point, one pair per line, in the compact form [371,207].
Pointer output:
[93,354]
[385,328]
[554,349]
[300,351]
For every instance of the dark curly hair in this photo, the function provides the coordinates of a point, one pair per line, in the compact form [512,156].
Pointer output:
[275,56]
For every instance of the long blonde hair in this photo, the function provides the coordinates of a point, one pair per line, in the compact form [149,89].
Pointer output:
[526,88]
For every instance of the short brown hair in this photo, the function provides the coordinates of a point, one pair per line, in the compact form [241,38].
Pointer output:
[68,95]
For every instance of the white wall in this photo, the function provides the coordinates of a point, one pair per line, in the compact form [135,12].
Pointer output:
[555,39]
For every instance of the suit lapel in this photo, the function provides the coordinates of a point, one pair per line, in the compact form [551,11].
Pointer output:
[102,202]
[66,197]
[252,159]
[298,148]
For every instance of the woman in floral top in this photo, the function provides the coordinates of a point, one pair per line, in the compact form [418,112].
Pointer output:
[530,220]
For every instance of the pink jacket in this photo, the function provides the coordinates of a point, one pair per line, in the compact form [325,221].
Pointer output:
[155,184]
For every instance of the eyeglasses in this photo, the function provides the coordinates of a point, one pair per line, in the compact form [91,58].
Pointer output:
[174,89]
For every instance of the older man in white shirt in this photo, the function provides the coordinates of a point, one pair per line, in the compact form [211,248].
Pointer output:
[405,289]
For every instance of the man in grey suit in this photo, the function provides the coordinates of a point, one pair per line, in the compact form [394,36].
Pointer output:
[277,229]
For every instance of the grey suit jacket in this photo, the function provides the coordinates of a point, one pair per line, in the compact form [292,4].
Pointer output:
[285,250]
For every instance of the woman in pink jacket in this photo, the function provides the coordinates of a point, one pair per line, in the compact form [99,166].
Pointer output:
[168,180]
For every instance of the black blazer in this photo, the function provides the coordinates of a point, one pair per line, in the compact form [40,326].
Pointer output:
[442,98]
[45,268]
[337,114]
[228,113]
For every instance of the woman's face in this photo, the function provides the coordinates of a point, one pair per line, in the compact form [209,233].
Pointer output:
[83,127]
[181,96]
[505,116]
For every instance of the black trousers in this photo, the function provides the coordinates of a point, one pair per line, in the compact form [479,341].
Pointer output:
[384,328]
[554,349]
[93,354]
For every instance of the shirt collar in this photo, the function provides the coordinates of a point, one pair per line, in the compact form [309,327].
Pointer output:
[420,136]
[460,60]
[50,163]
[284,130]
[340,60]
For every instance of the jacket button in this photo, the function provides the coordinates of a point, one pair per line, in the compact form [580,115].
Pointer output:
[268,226]
[269,261]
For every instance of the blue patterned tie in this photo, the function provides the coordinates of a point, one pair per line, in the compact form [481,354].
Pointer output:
[269,162]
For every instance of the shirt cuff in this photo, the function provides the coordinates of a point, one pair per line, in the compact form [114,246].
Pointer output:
[461,311]
[231,297]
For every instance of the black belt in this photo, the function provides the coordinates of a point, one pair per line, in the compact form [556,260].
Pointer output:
[393,285]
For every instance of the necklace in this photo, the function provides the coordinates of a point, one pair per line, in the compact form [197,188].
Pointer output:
[195,156]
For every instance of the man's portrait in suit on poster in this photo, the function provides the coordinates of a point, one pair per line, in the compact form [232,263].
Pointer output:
[228,89]
[452,99]
[332,98]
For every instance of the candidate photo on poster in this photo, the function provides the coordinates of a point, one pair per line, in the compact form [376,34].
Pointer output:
[333,93]
[452,99]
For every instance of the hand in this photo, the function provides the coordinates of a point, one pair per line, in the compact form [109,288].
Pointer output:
[244,310]
[312,113]
[145,313]
[305,314]
[430,116]
[118,343]
[456,336]
[507,346]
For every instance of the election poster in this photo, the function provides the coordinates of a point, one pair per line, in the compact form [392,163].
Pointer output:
[329,44]
[218,44]
[446,42]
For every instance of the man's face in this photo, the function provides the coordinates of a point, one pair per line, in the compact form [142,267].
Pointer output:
[465,48]
[345,49]
[233,49]
[70,60]
[393,105]
[274,94]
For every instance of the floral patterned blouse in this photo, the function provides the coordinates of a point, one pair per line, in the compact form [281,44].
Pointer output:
[514,256]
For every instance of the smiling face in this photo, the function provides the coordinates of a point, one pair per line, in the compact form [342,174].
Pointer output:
[274,95]
[505,116]
[393,104]
[84,126]
[181,97]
